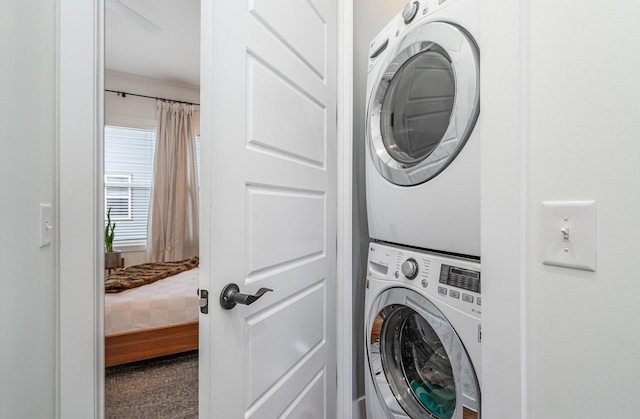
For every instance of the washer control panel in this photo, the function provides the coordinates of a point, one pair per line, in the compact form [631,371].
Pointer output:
[455,281]
[466,279]
[410,268]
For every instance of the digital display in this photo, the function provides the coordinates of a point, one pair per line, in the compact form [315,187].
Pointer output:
[465,279]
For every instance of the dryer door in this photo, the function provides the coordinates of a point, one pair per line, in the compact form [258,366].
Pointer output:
[425,103]
[427,370]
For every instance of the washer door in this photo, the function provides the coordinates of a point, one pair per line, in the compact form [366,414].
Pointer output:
[427,371]
[425,104]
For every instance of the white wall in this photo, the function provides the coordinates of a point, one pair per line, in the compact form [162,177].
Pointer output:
[28,280]
[560,122]
[369,17]
[138,112]
[503,212]
[132,110]
[584,143]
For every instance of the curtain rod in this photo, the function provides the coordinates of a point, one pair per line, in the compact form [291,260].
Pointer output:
[124,94]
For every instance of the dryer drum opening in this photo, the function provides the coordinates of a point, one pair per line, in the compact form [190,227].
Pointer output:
[425,103]
[418,364]
[417,107]
[412,352]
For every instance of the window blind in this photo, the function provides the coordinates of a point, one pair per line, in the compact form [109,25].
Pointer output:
[128,170]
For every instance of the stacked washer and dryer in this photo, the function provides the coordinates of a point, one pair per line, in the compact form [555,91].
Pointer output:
[422,301]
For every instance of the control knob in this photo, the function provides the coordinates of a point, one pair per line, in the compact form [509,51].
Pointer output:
[410,268]
[410,11]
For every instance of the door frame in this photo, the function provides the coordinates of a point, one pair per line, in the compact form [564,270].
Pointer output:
[80,52]
[80,370]
[344,304]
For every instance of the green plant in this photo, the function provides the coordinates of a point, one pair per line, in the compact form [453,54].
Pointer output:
[108,232]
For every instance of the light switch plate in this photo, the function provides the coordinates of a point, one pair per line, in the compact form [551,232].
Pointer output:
[569,234]
[46,225]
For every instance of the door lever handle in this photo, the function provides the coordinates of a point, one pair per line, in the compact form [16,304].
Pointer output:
[231,295]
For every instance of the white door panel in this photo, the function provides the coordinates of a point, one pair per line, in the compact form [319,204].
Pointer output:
[268,360]
[277,234]
[268,48]
[299,25]
[296,127]
[269,166]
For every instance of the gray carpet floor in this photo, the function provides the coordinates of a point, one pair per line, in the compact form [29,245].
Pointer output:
[162,388]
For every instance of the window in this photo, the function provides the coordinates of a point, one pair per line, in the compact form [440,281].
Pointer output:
[128,173]
[118,196]
[128,176]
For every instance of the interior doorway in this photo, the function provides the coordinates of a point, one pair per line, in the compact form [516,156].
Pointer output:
[151,54]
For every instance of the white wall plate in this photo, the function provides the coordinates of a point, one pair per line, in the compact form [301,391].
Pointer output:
[569,234]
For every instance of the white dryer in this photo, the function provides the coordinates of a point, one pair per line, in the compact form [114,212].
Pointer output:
[423,145]
[422,335]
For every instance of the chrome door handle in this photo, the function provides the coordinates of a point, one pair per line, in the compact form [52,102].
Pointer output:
[231,295]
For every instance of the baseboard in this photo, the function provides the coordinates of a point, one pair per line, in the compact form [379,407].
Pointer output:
[359,410]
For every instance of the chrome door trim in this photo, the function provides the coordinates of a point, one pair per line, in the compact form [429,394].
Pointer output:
[463,54]
[466,381]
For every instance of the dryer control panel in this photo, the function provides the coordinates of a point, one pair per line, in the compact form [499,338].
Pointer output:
[454,281]
[411,14]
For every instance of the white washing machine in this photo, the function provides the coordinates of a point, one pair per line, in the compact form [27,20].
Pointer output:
[422,335]
[423,145]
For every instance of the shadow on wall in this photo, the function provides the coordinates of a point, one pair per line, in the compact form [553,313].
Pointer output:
[370,16]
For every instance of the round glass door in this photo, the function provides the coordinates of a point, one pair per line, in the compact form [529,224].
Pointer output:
[417,106]
[428,372]
[412,353]
[426,103]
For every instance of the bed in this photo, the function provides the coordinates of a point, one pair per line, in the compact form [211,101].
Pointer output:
[157,319]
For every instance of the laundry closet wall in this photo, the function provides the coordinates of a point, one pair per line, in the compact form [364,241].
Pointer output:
[584,95]
[369,17]
[560,122]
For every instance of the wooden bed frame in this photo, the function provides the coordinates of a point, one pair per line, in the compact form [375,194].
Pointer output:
[146,344]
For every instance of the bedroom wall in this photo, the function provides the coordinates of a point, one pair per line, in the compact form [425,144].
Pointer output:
[137,112]
[28,173]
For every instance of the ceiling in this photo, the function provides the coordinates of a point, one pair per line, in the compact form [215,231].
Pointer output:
[154,38]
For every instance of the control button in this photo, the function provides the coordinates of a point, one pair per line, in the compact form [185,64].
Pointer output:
[396,274]
[409,11]
[379,50]
[424,283]
[468,298]
[454,294]
[442,290]
[478,301]
[410,268]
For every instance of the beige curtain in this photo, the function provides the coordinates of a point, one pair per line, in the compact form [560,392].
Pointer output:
[173,211]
